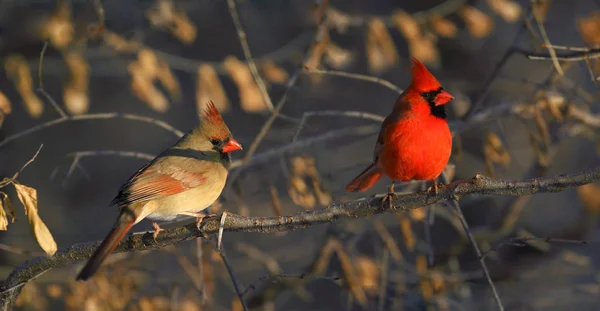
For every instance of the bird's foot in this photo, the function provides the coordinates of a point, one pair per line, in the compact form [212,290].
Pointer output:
[157,229]
[199,218]
[388,200]
[432,191]
[389,197]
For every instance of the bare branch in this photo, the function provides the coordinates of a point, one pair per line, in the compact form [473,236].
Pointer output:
[479,184]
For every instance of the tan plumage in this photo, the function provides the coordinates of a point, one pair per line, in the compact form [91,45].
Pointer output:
[183,180]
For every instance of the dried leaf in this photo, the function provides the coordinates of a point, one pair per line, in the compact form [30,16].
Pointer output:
[589,195]
[494,150]
[406,25]
[576,259]
[350,275]
[424,49]
[338,20]
[164,15]
[509,10]
[145,90]
[8,207]
[274,73]
[55,291]
[236,305]
[478,23]
[148,63]
[59,29]
[437,281]
[119,43]
[425,286]
[3,218]
[169,81]
[443,26]
[209,88]
[337,57]
[183,28]
[316,54]
[5,106]
[368,273]
[380,48]
[250,97]
[407,232]
[18,70]
[76,91]
[417,214]
[589,29]
[28,197]
[76,101]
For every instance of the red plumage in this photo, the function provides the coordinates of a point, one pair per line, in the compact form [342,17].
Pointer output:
[415,141]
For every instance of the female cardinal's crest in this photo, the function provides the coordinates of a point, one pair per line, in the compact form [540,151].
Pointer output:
[211,114]
[423,80]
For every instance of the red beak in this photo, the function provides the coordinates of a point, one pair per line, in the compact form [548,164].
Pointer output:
[231,145]
[443,98]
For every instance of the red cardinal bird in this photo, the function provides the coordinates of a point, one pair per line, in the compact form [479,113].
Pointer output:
[183,180]
[414,142]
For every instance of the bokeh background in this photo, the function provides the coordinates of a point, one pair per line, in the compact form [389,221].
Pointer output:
[163,59]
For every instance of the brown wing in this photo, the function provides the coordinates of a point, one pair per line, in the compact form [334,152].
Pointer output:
[154,181]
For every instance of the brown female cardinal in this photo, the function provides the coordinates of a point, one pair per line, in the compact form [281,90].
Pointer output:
[183,180]
[415,141]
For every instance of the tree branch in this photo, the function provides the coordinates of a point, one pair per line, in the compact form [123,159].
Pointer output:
[479,184]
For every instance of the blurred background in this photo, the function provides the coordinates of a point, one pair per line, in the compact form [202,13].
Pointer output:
[154,64]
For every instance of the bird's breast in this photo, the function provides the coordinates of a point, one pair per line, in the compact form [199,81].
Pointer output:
[190,201]
[416,148]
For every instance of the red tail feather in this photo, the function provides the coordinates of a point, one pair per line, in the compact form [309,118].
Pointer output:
[106,247]
[365,180]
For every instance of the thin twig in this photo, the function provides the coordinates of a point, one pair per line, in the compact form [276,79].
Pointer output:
[92,116]
[29,162]
[246,48]
[41,89]
[538,20]
[521,241]
[357,76]
[233,278]
[329,113]
[463,221]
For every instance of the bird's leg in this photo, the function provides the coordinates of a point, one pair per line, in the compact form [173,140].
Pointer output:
[389,197]
[200,216]
[433,190]
[157,229]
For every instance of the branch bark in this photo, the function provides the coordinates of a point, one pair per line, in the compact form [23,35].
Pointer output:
[479,184]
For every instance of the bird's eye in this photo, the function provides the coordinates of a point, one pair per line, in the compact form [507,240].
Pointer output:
[215,142]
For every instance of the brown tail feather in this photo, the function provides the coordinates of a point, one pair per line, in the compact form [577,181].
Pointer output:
[106,247]
[365,180]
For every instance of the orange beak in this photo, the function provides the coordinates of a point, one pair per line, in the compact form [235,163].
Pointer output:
[443,98]
[231,145]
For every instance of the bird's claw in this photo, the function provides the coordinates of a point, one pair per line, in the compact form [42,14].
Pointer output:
[388,199]
[199,218]
[157,229]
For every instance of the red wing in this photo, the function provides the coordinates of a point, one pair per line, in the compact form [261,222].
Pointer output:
[149,183]
[380,139]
